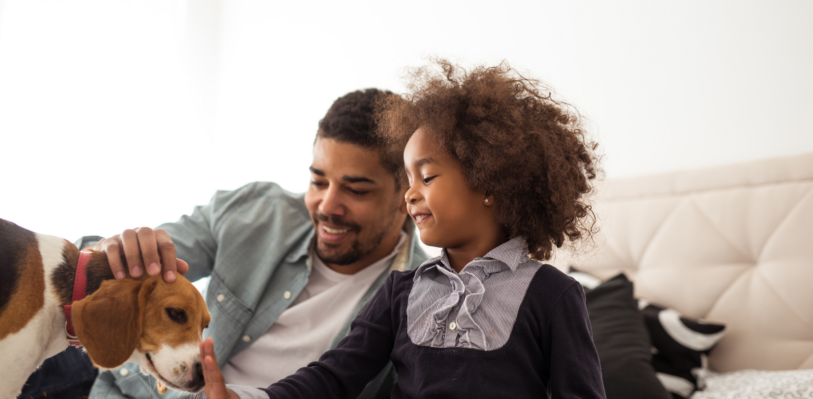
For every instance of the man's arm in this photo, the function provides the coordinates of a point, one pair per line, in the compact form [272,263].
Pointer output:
[155,251]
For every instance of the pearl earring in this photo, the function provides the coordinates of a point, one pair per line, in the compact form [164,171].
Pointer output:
[486,200]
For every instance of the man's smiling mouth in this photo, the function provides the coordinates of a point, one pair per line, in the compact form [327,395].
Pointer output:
[334,231]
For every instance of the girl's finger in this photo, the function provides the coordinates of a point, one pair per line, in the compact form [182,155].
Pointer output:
[215,387]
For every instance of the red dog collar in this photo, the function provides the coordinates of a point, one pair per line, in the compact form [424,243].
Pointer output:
[80,283]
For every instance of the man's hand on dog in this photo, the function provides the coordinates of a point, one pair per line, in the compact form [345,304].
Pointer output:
[215,387]
[143,248]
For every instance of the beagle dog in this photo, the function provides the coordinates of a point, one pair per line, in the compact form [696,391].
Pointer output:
[146,321]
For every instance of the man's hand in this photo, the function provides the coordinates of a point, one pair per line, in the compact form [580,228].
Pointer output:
[142,248]
[215,387]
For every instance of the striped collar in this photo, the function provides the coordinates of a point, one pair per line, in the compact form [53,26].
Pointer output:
[511,253]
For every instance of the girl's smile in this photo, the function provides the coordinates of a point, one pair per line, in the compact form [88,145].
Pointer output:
[420,217]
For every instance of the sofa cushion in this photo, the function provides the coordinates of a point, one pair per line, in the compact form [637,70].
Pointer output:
[730,244]
[622,342]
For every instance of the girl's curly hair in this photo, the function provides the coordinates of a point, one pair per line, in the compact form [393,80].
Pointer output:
[513,140]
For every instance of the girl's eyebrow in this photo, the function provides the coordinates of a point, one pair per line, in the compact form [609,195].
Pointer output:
[424,161]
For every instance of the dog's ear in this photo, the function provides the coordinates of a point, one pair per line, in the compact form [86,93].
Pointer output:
[109,322]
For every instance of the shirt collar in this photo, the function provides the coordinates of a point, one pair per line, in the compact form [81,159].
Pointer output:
[404,257]
[512,253]
[304,247]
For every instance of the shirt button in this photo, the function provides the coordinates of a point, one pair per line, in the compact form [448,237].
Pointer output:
[246,338]
[124,372]
[220,297]
[287,295]
[452,325]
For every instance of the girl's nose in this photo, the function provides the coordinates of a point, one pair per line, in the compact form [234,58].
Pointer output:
[411,196]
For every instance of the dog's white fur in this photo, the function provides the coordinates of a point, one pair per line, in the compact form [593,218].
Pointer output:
[44,336]
[174,367]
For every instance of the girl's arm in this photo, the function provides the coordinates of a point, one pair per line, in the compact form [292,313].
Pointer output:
[344,371]
[575,371]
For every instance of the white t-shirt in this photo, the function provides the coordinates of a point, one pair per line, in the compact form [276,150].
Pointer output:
[305,330]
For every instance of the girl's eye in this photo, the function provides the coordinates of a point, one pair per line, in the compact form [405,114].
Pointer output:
[426,180]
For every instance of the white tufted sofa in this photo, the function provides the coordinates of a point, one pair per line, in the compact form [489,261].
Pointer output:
[731,244]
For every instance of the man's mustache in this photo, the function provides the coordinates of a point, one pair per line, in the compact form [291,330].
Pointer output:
[336,221]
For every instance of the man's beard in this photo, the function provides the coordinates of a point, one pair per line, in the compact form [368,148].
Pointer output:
[328,254]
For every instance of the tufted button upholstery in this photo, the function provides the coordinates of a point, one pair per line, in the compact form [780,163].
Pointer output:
[732,244]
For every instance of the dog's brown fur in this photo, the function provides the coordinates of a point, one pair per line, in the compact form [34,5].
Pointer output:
[23,297]
[118,320]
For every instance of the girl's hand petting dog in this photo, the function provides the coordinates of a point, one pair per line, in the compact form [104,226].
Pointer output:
[215,385]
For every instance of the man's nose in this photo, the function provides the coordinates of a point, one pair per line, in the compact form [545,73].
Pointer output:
[332,203]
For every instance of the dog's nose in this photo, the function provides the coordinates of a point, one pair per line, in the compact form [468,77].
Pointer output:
[194,378]
[198,371]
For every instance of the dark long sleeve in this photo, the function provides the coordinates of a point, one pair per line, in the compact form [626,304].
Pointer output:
[575,371]
[344,371]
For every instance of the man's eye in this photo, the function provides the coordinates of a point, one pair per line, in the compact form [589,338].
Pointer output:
[318,183]
[177,315]
[357,192]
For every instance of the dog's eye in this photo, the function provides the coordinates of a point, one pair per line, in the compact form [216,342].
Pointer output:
[177,315]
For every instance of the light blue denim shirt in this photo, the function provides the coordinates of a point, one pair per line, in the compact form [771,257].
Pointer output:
[254,243]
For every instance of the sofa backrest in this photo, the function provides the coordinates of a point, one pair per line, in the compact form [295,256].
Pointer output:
[731,244]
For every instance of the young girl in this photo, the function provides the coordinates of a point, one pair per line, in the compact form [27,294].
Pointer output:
[497,172]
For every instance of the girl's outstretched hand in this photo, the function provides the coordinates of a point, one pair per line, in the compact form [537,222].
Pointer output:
[215,385]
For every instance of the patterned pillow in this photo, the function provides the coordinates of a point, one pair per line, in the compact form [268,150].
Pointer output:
[753,384]
[622,342]
[679,344]
[679,347]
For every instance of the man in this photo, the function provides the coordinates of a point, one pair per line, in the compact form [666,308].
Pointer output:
[288,272]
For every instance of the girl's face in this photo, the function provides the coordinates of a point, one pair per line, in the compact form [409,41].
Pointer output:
[448,213]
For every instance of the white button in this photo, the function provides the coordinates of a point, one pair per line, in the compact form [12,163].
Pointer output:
[287,295]
[246,338]
[220,297]
[124,372]
[452,325]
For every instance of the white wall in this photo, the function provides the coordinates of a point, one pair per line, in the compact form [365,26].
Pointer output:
[116,114]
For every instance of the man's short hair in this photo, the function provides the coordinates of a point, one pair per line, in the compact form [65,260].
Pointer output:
[351,120]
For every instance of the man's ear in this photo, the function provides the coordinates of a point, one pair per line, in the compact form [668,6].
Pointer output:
[401,193]
[109,322]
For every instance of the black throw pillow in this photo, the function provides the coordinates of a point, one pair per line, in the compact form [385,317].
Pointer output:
[622,342]
[680,344]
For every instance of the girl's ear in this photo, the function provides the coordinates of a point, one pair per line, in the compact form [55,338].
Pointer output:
[109,322]
[489,200]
